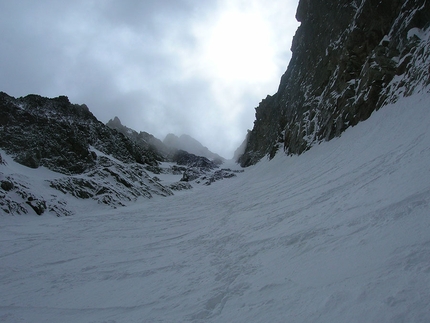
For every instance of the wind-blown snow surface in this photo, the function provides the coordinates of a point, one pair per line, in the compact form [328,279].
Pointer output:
[338,234]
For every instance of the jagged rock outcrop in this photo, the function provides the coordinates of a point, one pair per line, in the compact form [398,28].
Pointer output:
[349,58]
[56,134]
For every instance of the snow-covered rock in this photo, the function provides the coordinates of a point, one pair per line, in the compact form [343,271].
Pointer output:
[87,159]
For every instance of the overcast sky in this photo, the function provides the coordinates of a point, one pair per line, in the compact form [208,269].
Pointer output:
[198,67]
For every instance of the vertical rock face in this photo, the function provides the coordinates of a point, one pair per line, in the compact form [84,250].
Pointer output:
[350,57]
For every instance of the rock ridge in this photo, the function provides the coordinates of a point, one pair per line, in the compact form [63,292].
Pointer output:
[59,135]
[79,158]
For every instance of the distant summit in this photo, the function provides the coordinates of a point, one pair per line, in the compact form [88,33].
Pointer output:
[191,145]
[169,147]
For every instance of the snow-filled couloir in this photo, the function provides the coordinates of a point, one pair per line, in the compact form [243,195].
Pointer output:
[340,233]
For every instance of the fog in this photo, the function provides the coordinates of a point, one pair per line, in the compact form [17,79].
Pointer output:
[182,67]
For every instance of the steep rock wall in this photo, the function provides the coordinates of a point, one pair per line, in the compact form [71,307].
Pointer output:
[350,57]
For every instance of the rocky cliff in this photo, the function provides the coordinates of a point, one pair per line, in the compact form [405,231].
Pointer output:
[349,58]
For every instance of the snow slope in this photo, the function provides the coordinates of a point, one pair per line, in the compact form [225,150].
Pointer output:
[338,234]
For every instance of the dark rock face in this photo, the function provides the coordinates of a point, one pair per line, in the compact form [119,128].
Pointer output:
[350,57]
[56,134]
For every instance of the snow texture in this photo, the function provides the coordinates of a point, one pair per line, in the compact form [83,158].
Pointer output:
[340,233]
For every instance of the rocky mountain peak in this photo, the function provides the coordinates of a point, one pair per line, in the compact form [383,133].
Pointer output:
[114,123]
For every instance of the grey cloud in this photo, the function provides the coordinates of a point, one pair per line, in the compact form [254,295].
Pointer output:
[125,59]
[142,13]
